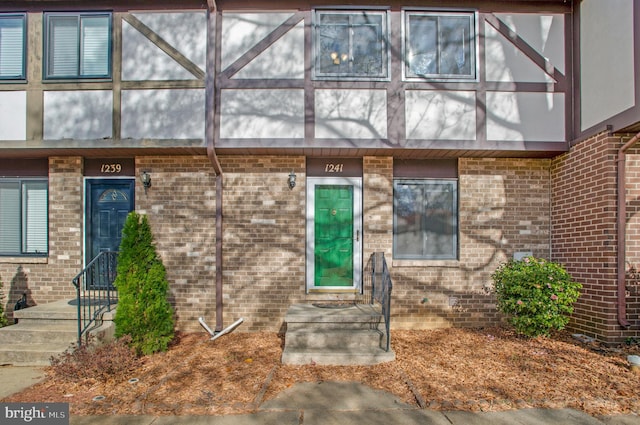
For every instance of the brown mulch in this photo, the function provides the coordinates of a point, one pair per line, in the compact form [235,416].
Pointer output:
[464,369]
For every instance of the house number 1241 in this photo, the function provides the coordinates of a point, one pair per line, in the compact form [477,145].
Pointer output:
[334,168]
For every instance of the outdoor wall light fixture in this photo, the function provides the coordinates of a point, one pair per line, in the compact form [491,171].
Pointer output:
[145,177]
[292,180]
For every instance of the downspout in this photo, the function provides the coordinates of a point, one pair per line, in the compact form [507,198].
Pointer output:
[211,152]
[622,236]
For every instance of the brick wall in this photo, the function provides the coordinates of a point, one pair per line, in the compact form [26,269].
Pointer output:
[503,209]
[181,209]
[49,279]
[264,239]
[632,171]
[584,235]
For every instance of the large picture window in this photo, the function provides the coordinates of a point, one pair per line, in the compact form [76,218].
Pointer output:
[425,219]
[78,45]
[12,47]
[439,46]
[23,217]
[351,45]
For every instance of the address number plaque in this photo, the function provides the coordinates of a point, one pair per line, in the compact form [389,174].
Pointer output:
[109,167]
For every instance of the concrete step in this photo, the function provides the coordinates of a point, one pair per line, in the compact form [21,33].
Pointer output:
[30,354]
[42,331]
[329,356]
[335,335]
[348,314]
[337,339]
[56,331]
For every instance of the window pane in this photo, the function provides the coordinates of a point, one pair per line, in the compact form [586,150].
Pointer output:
[409,237]
[367,50]
[351,45]
[63,46]
[425,219]
[12,47]
[440,221]
[454,45]
[440,46]
[422,54]
[35,218]
[9,217]
[95,46]
[334,49]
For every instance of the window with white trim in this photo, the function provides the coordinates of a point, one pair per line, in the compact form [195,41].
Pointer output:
[12,46]
[425,219]
[77,45]
[24,226]
[439,45]
[351,45]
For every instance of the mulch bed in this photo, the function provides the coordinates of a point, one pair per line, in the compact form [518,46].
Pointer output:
[463,369]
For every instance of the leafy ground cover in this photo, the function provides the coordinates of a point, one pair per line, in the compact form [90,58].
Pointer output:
[465,369]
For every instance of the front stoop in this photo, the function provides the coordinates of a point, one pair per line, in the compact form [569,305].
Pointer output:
[42,331]
[342,335]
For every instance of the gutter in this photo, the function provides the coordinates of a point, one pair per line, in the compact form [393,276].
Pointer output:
[622,236]
[211,153]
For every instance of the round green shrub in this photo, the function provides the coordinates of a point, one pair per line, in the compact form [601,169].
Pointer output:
[536,295]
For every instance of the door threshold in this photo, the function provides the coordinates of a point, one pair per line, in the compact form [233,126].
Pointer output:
[334,291]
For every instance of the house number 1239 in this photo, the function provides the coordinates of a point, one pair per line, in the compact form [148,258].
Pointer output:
[110,168]
[334,168]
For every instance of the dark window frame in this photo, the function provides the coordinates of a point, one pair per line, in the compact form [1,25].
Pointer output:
[22,17]
[23,217]
[437,58]
[421,211]
[78,74]
[357,19]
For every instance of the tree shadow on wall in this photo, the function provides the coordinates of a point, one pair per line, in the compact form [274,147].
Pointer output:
[19,292]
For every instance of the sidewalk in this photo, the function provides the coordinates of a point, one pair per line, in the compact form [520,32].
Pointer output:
[331,403]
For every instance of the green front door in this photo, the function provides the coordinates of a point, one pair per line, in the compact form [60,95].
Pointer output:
[333,230]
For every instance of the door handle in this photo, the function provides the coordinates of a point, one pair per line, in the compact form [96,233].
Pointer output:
[358,235]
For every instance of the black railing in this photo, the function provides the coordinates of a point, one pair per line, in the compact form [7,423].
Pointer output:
[379,280]
[95,293]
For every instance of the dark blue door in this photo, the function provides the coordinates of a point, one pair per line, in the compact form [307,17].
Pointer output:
[108,204]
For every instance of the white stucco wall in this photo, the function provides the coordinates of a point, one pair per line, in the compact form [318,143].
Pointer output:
[518,116]
[13,115]
[142,60]
[506,63]
[163,114]
[271,114]
[80,115]
[440,115]
[607,85]
[351,114]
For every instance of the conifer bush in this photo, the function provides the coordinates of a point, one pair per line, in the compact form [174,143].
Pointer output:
[536,295]
[3,318]
[144,312]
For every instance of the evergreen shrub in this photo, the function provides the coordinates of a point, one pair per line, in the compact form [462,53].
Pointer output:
[144,312]
[3,319]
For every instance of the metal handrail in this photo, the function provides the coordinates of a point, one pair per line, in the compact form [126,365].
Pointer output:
[95,292]
[381,287]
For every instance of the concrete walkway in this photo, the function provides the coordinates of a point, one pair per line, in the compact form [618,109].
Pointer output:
[331,403]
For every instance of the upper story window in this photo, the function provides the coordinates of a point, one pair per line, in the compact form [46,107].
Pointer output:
[77,45]
[23,217]
[439,46]
[351,45]
[12,46]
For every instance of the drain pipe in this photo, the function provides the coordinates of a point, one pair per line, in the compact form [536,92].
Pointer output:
[211,153]
[622,223]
